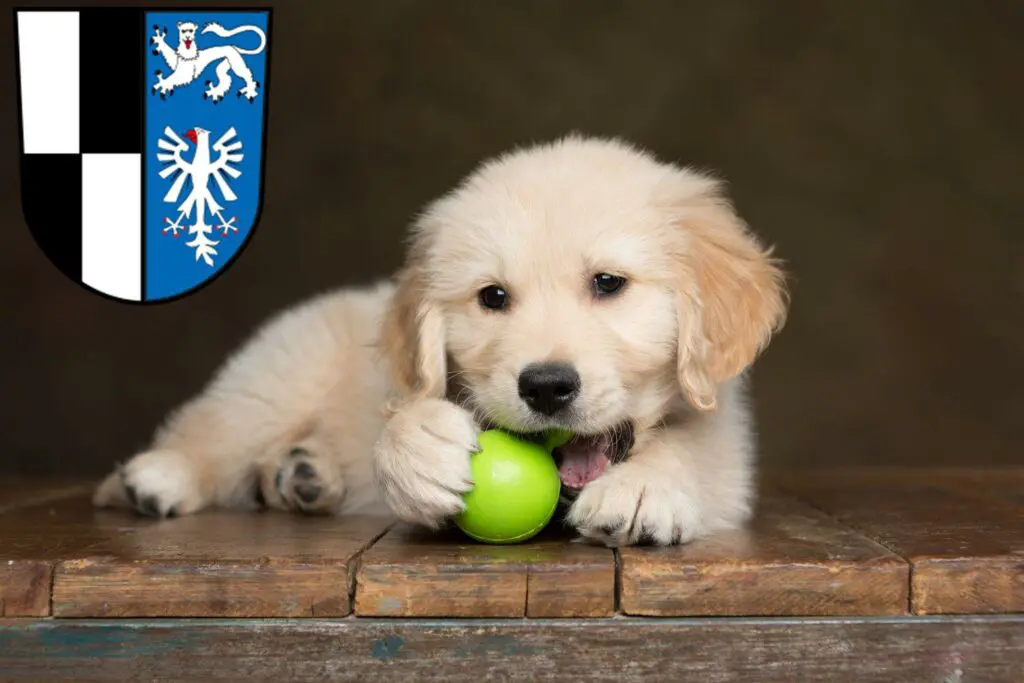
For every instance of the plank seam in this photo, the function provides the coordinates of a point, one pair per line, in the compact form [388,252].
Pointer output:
[865,533]
[526,594]
[617,588]
[355,562]
[868,535]
[52,583]
[632,621]
[910,589]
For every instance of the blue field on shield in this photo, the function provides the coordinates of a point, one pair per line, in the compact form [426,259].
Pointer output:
[205,114]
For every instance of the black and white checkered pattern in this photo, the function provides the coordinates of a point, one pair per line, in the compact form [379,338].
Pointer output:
[81,103]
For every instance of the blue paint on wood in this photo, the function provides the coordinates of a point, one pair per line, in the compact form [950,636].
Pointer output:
[60,641]
[503,645]
[387,648]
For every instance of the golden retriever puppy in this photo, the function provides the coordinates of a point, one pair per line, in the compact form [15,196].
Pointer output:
[581,284]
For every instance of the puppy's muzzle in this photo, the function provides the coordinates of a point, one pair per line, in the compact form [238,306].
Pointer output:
[548,388]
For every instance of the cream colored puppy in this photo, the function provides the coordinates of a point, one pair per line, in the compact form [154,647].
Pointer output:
[581,284]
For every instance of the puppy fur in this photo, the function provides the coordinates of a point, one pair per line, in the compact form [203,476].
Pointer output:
[370,400]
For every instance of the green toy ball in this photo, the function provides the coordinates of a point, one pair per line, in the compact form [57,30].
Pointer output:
[516,488]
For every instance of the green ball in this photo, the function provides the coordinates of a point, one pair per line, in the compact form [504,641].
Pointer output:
[515,492]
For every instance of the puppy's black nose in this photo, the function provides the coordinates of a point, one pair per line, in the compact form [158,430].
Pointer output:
[548,387]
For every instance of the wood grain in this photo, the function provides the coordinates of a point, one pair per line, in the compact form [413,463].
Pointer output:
[25,588]
[24,582]
[893,650]
[965,543]
[984,484]
[113,564]
[190,588]
[960,535]
[21,491]
[791,561]
[412,573]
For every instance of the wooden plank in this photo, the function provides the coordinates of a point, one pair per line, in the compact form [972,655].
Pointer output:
[412,573]
[25,588]
[18,492]
[215,564]
[25,583]
[966,547]
[987,484]
[791,561]
[776,650]
[200,588]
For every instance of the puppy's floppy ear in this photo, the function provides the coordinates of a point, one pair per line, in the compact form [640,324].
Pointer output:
[413,338]
[733,297]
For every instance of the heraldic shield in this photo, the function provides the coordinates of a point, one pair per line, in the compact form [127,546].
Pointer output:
[143,142]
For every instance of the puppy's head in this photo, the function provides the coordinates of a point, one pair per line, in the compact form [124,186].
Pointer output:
[581,285]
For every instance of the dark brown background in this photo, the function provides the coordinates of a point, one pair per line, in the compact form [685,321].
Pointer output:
[879,145]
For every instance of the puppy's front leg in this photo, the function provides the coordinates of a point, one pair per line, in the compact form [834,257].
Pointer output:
[671,490]
[422,460]
[159,483]
[200,457]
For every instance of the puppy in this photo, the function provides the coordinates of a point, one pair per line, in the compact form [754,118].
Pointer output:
[580,284]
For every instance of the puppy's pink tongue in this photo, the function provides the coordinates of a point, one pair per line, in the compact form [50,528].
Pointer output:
[583,460]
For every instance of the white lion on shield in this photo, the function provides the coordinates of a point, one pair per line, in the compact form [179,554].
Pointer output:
[187,61]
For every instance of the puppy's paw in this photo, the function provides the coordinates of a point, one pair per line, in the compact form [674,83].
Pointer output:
[633,504]
[422,461]
[154,483]
[304,481]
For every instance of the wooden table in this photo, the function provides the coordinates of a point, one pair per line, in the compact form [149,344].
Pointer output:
[877,575]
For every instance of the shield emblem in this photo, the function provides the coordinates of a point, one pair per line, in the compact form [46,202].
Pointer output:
[143,142]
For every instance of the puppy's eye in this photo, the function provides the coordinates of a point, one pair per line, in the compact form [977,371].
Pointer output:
[606,285]
[494,298]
